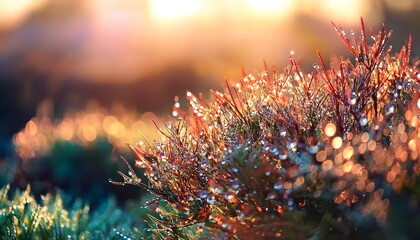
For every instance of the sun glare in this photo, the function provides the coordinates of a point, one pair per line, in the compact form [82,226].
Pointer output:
[346,11]
[271,6]
[170,10]
[13,12]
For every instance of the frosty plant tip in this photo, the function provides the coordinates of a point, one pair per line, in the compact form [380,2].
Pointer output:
[325,154]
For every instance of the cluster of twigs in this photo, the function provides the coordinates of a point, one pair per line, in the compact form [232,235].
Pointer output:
[290,154]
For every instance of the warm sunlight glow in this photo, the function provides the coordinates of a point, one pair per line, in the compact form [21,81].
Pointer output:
[271,6]
[13,12]
[169,10]
[345,11]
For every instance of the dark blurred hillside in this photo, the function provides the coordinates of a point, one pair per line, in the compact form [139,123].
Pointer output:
[403,24]
[20,94]
[78,169]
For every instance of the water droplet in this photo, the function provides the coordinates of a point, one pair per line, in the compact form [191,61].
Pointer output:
[399,84]
[229,196]
[315,66]
[110,180]
[203,194]
[203,163]
[278,186]
[313,149]
[274,150]
[330,129]
[292,146]
[267,173]
[271,196]
[292,52]
[211,199]
[235,169]
[353,98]
[216,188]
[130,173]
[390,110]
[283,156]
[282,133]
[235,185]
[363,120]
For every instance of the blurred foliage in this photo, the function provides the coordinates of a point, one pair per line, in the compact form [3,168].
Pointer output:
[21,217]
[80,170]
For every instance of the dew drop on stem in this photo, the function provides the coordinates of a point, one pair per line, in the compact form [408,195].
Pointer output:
[274,150]
[203,194]
[399,84]
[390,109]
[363,120]
[278,186]
[211,199]
[282,133]
[353,99]
[283,156]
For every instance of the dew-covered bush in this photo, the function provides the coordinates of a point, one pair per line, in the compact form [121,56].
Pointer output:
[329,154]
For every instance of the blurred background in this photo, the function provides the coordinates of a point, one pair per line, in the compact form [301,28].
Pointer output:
[81,78]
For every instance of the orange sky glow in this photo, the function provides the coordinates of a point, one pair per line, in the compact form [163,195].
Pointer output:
[126,39]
